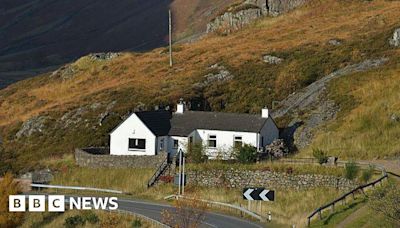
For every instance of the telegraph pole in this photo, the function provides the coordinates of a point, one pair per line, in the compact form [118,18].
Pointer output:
[170,38]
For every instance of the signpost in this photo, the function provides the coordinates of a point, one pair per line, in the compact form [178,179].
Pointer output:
[261,194]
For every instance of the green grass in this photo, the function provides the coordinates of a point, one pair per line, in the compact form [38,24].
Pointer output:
[364,129]
[341,212]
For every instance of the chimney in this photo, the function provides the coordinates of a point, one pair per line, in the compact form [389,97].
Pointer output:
[180,108]
[265,112]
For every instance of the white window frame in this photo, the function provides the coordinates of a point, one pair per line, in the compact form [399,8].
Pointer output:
[212,138]
[235,140]
[136,143]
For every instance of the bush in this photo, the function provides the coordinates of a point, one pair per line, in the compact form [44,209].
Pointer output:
[367,174]
[74,221]
[320,155]
[196,153]
[351,170]
[136,223]
[246,154]
[91,218]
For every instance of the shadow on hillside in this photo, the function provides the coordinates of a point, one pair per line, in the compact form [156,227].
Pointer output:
[46,33]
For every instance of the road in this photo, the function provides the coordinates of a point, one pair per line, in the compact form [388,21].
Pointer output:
[153,210]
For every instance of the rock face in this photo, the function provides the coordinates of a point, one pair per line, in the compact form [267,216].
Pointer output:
[232,21]
[395,40]
[249,11]
[314,100]
[33,125]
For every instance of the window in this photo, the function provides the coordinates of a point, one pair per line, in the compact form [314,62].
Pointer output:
[176,144]
[237,141]
[137,144]
[162,144]
[212,141]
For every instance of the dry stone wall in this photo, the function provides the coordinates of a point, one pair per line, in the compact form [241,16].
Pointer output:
[245,178]
[99,158]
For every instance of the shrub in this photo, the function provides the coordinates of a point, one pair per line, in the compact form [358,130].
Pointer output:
[136,223]
[74,221]
[367,174]
[320,155]
[246,154]
[351,170]
[196,153]
[91,218]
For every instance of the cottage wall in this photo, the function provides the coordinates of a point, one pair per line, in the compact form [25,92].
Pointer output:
[132,127]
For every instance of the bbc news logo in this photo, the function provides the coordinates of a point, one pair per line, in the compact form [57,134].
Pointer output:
[58,203]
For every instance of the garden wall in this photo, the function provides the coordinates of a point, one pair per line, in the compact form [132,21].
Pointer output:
[100,158]
[245,178]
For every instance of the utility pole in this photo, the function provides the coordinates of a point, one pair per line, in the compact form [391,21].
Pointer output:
[170,38]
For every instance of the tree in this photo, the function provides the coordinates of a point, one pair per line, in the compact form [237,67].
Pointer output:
[246,154]
[320,155]
[196,153]
[8,187]
[187,213]
[386,200]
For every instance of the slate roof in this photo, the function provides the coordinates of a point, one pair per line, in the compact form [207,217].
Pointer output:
[157,121]
[186,123]
[163,123]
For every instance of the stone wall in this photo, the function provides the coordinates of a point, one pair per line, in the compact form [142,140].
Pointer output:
[244,178]
[99,158]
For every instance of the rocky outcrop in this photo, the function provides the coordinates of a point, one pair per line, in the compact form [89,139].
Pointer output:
[395,40]
[272,59]
[104,56]
[242,14]
[219,74]
[33,125]
[314,100]
[232,21]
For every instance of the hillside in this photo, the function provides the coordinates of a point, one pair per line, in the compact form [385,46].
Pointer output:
[38,36]
[49,115]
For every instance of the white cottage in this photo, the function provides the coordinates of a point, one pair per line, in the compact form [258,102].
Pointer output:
[148,133]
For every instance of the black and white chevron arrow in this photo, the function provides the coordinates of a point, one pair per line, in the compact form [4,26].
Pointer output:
[258,194]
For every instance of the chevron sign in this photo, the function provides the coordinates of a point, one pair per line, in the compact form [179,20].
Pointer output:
[258,194]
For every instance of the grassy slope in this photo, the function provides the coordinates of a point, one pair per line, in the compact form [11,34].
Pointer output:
[300,37]
[364,129]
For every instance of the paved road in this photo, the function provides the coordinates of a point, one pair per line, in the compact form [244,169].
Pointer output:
[153,210]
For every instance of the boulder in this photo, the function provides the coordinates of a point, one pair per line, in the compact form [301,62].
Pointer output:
[395,40]
[277,149]
[272,59]
[334,42]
